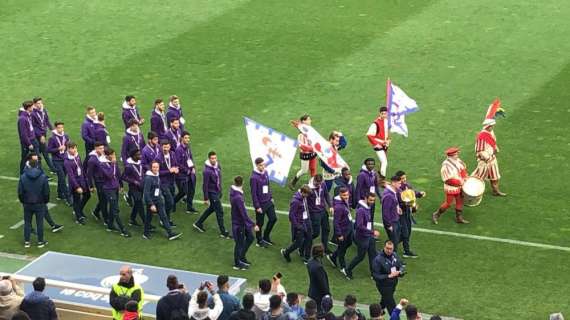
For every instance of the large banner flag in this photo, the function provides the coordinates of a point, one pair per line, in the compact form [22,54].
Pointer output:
[398,104]
[274,147]
[323,148]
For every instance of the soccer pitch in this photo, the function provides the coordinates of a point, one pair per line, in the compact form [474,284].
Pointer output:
[275,60]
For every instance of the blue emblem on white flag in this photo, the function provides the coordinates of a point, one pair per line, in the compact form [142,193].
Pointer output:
[398,104]
[277,149]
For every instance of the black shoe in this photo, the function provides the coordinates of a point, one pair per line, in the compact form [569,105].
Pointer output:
[152,228]
[172,224]
[331,260]
[346,274]
[225,236]
[240,266]
[410,254]
[80,221]
[56,228]
[285,255]
[198,227]
[112,229]
[246,262]
[134,223]
[193,210]
[305,261]
[68,203]
[268,242]
[261,244]
[174,236]
[27,244]
[125,234]
[42,244]
[146,236]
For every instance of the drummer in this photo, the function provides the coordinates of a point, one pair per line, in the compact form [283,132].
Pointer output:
[453,174]
[407,196]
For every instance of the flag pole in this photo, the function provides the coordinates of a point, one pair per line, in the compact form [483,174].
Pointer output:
[388,98]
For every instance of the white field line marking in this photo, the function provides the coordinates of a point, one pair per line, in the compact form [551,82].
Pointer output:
[455,234]
[1,236]
[21,222]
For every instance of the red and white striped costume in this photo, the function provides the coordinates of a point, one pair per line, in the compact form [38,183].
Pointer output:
[307,155]
[378,135]
[485,151]
[453,174]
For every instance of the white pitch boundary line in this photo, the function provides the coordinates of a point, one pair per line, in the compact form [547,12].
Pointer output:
[21,222]
[424,230]
[455,234]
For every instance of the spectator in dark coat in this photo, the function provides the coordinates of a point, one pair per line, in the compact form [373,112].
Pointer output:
[20,315]
[37,305]
[245,313]
[33,193]
[318,278]
[229,301]
[175,303]
[350,304]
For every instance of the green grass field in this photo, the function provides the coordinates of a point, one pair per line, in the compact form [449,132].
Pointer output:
[275,60]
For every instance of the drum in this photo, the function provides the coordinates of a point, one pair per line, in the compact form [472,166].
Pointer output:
[473,190]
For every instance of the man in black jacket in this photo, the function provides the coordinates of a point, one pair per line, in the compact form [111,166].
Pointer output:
[386,269]
[33,193]
[244,313]
[318,278]
[174,305]
[37,305]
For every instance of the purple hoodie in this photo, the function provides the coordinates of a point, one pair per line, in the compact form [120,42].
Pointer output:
[40,120]
[175,113]
[74,170]
[364,228]
[26,129]
[100,133]
[55,141]
[131,142]
[133,175]
[166,162]
[183,154]
[174,137]
[260,189]
[93,172]
[365,183]
[319,199]
[130,113]
[298,211]
[342,220]
[390,207]
[111,175]
[212,179]
[240,219]
[149,154]
[158,124]
[88,131]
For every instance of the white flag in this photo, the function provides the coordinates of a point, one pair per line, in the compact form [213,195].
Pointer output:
[323,148]
[398,104]
[274,147]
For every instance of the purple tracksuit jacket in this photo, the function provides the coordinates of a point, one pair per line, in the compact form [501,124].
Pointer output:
[365,182]
[40,120]
[93,172]
[148,154]
[166,162]
[174,137]
[212,180]
[131,141]
[240,219]
[183,154]
[364,228]
[111,175]
[130,113]
[390,207]
[75,176]
[26,129]
[174,113]
[319,199]
[158,124]
[54,142]
[298,212]
[88,131]
[100,133]
[259,183]
[133,175]
[341,220]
